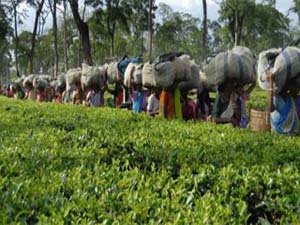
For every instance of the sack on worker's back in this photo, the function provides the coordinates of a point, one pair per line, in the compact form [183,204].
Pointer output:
[123,64]
[28,81]
[73,77]
[92,77]
[194,81]
[164,74]
[147,76]
[170,68]
[128,77]
[61,81]
[284,65]
[40,83]
[237,64]
[138,74]
[112,73]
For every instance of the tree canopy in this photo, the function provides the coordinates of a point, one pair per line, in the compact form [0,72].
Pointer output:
[97,31]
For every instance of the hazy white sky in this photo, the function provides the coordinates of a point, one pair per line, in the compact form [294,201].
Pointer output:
[193,7]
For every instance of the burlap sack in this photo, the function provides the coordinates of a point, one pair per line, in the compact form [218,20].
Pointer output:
[128,76]
[112,73]
[194,82]
[147,76]
[61,80]
[28,81]
[91,77]
[164,74]
[238,64]
[284,65]
[40,82]
[73,76]
[138,74]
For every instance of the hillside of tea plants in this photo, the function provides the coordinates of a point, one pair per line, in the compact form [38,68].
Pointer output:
[61,164]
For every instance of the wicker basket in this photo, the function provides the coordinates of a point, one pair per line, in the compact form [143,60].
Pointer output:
[260,121]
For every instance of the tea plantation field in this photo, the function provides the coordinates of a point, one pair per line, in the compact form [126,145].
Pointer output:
[61,164]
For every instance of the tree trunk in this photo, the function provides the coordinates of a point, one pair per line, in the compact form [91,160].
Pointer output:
[236,25]
[53,11]
[31,53]
[150,30]
[66,62]
[111,31]
[84,32]
[204,37]
[112,46]
[16,39]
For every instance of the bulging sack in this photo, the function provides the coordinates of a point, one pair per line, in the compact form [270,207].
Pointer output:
[112,73]
[284,65]
[48,78]
[194,81]
[92,77]
[40,83]
[61,81]
[28,81]
[170,68]
[247,64]
[164,74]
[19,81]
[73,76]
[128,77]
[147,76]
[184,74]
[138,74]
[123,64]
[238,64]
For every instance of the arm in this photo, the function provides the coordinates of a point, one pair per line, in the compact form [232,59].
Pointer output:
[250,88]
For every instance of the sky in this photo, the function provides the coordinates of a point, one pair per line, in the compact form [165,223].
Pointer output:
[193,7]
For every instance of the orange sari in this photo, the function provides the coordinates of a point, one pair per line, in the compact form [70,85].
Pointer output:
[170,106]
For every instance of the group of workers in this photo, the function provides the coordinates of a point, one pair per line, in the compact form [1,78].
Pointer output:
[170,103]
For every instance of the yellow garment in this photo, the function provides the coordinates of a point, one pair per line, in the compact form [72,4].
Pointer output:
[177,104]
[170,105]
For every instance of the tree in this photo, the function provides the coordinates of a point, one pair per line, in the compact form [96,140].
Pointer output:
[65,31]
[24,50]
[268,27]
[39,6]
[177,32]
[150,29]
[53,5]
[83,29]
[204,37]
[261,22]
[114,14]
[14,5]
[5,33]
[234,13]
[296,8]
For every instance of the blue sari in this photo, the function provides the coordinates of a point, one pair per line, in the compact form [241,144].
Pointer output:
[284,119]
[138,100]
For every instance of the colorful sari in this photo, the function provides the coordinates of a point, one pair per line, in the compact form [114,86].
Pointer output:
[170,105]
[284,119]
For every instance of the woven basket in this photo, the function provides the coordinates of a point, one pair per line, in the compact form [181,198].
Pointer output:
[260,121]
